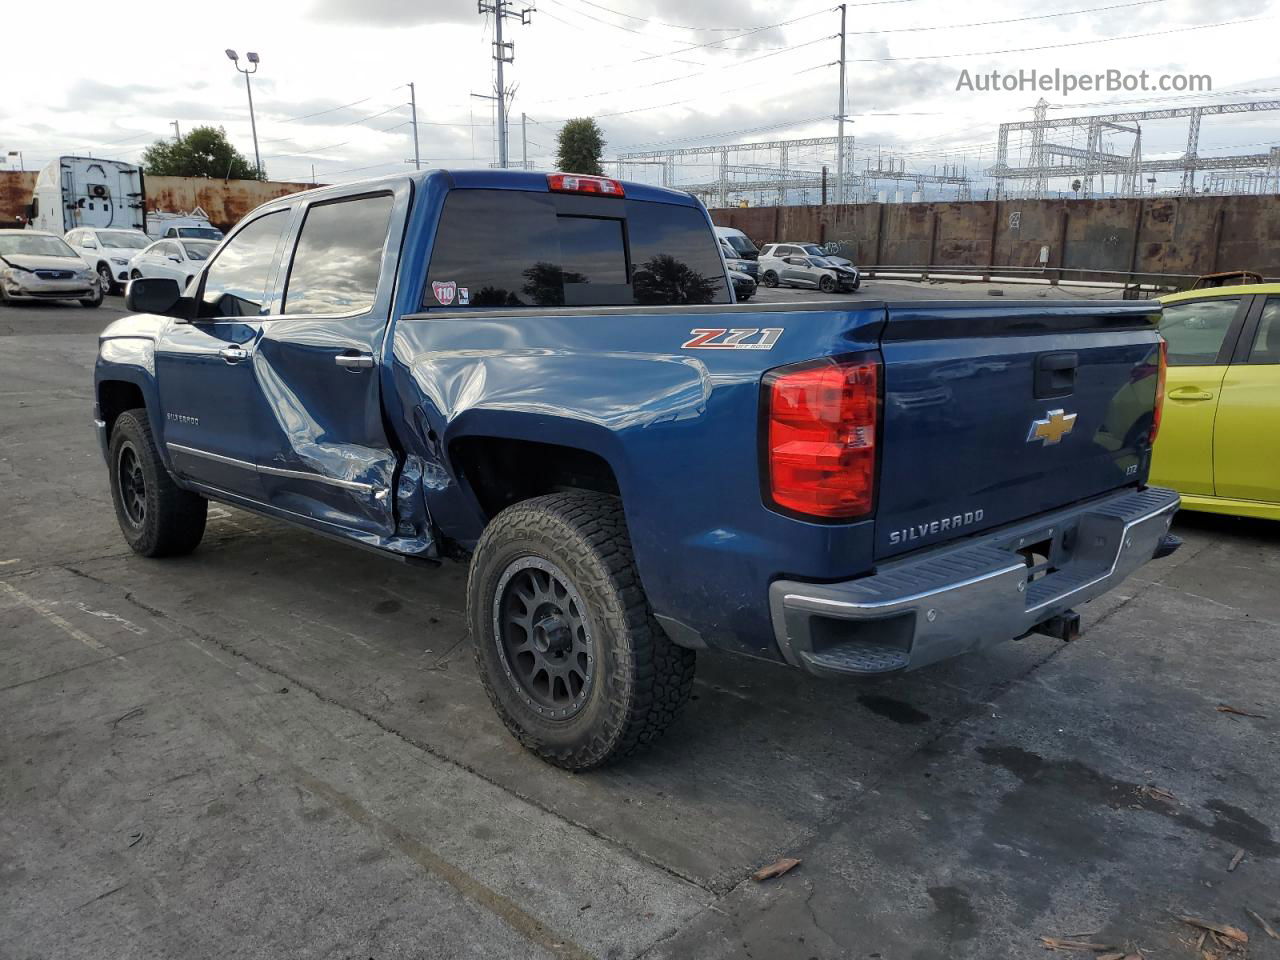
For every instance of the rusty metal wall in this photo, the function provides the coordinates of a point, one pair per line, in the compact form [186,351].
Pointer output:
[15,193]
[1161,235]
[225,201]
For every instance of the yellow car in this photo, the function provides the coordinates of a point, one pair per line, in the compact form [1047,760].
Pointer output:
[1219,438]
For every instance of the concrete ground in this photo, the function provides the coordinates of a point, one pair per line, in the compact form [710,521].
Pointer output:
[278,747]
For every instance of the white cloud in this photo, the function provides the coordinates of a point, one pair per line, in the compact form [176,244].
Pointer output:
[578,58]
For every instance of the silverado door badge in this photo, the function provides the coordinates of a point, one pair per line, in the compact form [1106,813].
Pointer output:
[444,291]
[1055,425]
[720,338]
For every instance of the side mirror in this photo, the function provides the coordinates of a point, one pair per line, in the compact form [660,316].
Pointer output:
[160,295]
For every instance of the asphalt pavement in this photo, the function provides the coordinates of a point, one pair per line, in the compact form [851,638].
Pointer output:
[278,747]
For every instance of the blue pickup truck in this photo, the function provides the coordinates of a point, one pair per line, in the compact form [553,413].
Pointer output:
[546,375]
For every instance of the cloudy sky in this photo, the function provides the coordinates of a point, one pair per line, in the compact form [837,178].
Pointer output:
[331,89]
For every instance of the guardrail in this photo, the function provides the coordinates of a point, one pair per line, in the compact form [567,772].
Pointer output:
[986,273]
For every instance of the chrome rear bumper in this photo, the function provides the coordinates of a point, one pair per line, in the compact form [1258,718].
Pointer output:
[946,601]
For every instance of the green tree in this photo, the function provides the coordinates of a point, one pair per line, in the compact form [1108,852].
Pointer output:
[578,147]
[204,152]
[663,279]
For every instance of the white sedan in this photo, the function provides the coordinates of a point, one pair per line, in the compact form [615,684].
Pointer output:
[177,259]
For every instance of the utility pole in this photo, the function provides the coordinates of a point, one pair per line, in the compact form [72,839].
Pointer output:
[840,117]
[524,141]
[177,131]
[503,52]
[413,109]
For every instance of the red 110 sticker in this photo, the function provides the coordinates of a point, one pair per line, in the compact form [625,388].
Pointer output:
[742,338]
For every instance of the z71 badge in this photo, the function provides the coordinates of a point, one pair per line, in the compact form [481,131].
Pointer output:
[743,338]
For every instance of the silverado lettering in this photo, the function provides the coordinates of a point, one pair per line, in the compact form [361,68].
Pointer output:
[935,526]
[621,507]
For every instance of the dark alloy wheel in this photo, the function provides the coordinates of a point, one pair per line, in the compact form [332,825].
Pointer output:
[827,284]
[543,639]
[770,278]
[157,517]
[568,650]
[133,484]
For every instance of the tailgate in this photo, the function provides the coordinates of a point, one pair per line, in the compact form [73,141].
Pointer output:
[993,414]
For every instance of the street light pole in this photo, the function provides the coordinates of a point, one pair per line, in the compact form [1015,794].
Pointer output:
[253,123]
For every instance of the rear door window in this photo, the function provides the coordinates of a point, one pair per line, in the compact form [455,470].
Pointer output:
[501,248]
[338,259]
[1196,330]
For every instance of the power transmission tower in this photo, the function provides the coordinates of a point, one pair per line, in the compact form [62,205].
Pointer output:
[503,52]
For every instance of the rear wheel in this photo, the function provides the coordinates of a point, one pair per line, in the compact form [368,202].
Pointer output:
[770,278]
[827,284]
[567,648]
[157,517]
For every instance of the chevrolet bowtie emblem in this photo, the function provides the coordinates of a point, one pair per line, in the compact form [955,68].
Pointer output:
[1055,425]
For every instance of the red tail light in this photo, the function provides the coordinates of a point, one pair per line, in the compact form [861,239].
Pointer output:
[821,441]
[580,183]
[1159,409]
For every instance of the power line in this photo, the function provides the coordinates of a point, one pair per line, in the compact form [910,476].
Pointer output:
[739,36]
[686,76]
[1060,46]
[1003,21]
[681,26]
[574,26]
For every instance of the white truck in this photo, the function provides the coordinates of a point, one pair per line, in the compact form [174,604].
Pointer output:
[189,225]
[76,192]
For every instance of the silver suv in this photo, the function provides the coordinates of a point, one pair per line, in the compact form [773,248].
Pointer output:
[807,271]
[774,254]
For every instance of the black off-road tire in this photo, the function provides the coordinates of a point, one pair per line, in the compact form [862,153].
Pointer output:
[640,679]
[171,521]
[770,278]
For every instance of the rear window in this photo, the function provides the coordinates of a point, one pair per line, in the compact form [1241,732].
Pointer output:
[338,261]
[503,248]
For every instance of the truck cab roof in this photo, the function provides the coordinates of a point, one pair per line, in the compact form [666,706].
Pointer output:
[522,180]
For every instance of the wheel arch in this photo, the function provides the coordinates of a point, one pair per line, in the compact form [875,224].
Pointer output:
[123,380]
[505,459]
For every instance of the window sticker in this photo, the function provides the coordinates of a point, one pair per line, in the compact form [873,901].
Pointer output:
[444,291]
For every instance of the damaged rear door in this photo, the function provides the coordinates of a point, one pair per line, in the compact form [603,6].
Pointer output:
[326,454]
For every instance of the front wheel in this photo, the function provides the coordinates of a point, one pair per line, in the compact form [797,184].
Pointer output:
[770,278]
[105,279]
[93,301]
[157,517]
[827,284]
[567,648]
[135,274]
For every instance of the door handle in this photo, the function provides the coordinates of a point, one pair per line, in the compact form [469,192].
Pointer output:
[233,354]
[1190,393]
[354,361]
